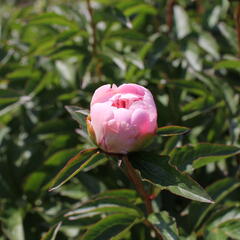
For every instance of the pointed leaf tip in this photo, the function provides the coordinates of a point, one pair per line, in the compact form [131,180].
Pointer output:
[172,130]
[79,162]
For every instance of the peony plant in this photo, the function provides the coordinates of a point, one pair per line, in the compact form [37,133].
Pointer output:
[121,124]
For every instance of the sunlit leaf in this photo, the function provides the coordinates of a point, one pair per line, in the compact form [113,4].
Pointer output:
[82,160]
[53,18]
[172,130]
[52,233]
[165,224]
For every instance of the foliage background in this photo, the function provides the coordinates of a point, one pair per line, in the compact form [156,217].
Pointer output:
[56,53]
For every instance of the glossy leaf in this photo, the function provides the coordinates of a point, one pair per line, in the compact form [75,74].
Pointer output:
[107,205]
[82,160]
[172,130]
[165,224]
[218,191]
[52,233]
[188,158]
[109,227]
[157,170]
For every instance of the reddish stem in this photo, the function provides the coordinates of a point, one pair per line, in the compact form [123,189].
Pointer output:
[135,179]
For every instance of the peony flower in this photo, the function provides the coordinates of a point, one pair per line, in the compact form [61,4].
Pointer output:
[122,119]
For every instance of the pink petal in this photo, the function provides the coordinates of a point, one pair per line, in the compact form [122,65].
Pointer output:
[140,118]
[103,93]
[121,141]
[131,88]
[101,113]
[122,115]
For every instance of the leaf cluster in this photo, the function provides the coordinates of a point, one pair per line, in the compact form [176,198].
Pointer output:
[55,54]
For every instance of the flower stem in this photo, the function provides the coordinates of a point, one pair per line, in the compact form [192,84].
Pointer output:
[135,179]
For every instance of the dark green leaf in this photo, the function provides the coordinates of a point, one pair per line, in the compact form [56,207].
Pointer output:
[165,224]
[81,161]
[107,205]
[218,191]
[78,114]
[48,170]
[52,233]
[157,170]
[188,158]
[110,227]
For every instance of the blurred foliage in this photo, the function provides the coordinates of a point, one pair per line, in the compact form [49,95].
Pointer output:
[56,53]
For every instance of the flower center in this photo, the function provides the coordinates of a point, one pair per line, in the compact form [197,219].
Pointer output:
[121,101]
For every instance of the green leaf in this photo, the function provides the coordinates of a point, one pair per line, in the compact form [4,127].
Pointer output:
[172,130]
[157,170]
[79,115]
[229,34]
[109,227]
[170,144]
[128,194]
[231,228]
[222,216]
[218,191]
[53,18]
[115,14]
[181,21]
[52,233]
[226,222]
[106,205]
[216,234]
[74,191]
[228,64]
[48,170]
[127,35]
[81,161]
[12,223]
[53,126]
[188,158]
[192,54]
[165,224]
[140,9]
[209,44]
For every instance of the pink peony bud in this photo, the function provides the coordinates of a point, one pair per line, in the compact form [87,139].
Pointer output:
[122,119]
